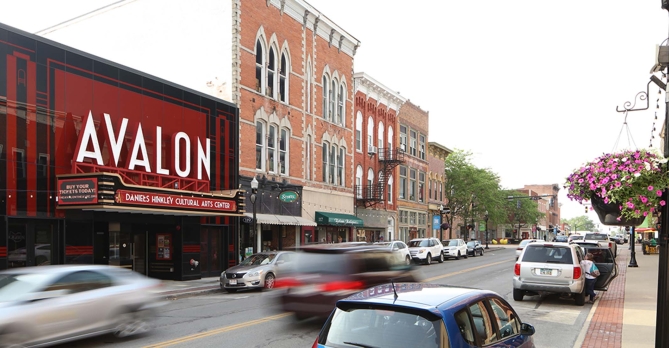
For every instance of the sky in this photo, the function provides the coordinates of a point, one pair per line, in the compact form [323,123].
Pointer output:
[529,87]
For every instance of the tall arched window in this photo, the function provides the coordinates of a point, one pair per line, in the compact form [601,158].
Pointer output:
[271,71]
[358,181]
[390,189]
[379,140]
[390,137]
[370,180]
[260,145]
[333,97]
[340,166]
[326,152]
[260,67]
[333,157]
[325,96]
[358,131]
[283,151]
[271,148]
[283,79]
[340,105]
[370,133]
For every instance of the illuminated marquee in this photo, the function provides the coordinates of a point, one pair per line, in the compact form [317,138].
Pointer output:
[180,146]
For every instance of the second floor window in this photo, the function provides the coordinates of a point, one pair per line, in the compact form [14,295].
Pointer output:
[421,147]
[403,138]
[283,79]
[271,71]
[271,148]
[421,187]
[358,131]
[403,183]
[412,143]
[412,185]
[260,145]
[283,152]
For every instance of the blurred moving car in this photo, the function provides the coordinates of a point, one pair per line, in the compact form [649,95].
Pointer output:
[454,248]
[556,268]
[258,271]
[418,315]
[474,248]
[523,243]
[561,239]
[57,304]
[323,274]
[424,250]
[399,249]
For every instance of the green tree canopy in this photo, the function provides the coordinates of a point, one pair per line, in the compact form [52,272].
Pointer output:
[579,223]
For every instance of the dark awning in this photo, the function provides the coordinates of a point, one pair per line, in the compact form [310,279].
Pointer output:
[335,219]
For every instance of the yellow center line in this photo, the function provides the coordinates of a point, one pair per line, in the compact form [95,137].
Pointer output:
[464,271]
[218,331]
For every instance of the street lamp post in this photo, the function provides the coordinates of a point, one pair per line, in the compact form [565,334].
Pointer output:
[254,192]
[485,217]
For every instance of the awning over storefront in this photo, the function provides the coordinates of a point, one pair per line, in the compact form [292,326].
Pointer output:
[271,219]
[336,219]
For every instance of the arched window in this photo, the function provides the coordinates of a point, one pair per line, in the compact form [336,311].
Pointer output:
[260,67]
[283,151]
[333,97]
[390,138]
[283,79]
[370,178]
[333,157]
[370,133]
[380,140]
[271,148]
[358,181]
[271,71]
[340,166]
[390,189]
[260,145]
[325,96]
[340,105]
[326,152]
[358,131]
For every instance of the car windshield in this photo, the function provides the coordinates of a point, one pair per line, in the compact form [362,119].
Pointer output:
[453,243]
[258,259]
[524,242]
[471,244]
[370,327]
[575,237]
[15,286]
[561,238]
[596,236]
[547,254]
[419,243]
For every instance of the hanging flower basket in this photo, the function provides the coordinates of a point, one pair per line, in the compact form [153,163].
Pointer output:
[624,187]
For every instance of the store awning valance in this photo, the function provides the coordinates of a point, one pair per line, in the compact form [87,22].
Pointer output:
[336,219]
[271,219]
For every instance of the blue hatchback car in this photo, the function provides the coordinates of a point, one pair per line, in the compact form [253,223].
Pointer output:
[424,316]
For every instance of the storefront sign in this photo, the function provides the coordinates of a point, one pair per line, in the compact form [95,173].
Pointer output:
[174,201]
[288,196]
[247,220]
[180,145]
[78,191]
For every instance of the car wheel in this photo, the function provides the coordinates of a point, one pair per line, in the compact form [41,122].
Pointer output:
[458,257]
[428,259]
[580,298]
[269,281]
[232,291]
[481,252]
[408,260]
[441,257]
[466,255]
[473,254]
[518,295]
[131,323]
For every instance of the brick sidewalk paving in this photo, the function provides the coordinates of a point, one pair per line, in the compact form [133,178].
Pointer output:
[606,326]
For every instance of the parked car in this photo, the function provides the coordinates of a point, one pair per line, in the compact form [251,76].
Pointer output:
[399,315]
[17,258]
[602,238]
[454,248]
[556,268]
[424,250]
[561,239]
[523,243]
[399,250]
[258,271]
[48,304]
[606,264]
[474,247]
[325,273]
[574,237]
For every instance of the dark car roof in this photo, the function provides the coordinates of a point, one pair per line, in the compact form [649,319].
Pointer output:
[415,295]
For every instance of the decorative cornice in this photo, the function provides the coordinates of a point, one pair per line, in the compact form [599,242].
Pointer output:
[332,31]
[316,21]
[305,19]
[341,41]
[283,5]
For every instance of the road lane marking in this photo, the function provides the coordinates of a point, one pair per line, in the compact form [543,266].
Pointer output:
[218,331]
[464,271]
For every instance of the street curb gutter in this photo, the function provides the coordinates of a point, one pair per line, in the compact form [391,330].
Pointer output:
[189,292]
[586,325]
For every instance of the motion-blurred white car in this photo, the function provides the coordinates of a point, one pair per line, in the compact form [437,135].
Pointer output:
[57,304]
[399,249]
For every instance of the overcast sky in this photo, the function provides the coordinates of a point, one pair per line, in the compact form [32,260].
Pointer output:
[529,87]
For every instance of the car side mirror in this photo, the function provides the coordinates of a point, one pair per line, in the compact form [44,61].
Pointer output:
[526,329]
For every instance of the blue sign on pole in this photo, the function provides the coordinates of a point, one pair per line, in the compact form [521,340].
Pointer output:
[436,222]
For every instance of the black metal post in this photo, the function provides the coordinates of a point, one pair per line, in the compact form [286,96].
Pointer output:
[486,231]
[633,254]
[661,320]
[255,221]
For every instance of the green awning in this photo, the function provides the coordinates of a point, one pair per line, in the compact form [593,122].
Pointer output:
[335,219]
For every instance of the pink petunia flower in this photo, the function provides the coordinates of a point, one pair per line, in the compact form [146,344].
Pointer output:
[650,188]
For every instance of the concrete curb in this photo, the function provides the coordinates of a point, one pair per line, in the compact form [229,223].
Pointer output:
[586,325]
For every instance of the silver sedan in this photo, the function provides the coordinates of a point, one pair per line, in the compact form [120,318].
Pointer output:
[257,271]
[56,304]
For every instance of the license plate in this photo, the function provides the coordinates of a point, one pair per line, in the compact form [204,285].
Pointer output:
[233,281]
[545,271]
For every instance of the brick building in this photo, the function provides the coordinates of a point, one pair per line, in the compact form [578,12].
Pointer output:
[436,155]
[412,203]
[548,226]
[377,154]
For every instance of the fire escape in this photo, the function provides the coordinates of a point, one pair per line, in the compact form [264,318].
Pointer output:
[371,195]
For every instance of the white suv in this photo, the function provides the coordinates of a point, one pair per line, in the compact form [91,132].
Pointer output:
[425,249]
[454,248]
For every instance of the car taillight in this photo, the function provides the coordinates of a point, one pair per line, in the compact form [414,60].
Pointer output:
[342,285]
[315,343]
[516,269]
[519,249]
[577,272]
[287,283]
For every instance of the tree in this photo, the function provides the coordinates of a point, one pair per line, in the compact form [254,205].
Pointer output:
[521,212]
[579,223]
[470,191]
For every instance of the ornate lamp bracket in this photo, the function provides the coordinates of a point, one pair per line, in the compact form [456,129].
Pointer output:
[641,96]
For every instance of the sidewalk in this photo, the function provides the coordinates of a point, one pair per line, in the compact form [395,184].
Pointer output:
[624,316]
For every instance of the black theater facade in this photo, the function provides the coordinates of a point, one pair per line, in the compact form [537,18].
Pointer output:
[102,164]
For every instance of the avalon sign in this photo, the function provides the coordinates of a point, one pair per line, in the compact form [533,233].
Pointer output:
[174,201]
[288,196]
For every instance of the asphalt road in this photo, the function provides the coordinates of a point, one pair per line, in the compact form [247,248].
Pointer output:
[251,319]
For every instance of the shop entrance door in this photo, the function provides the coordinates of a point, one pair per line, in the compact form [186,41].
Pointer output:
[210,251]
[139,253]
